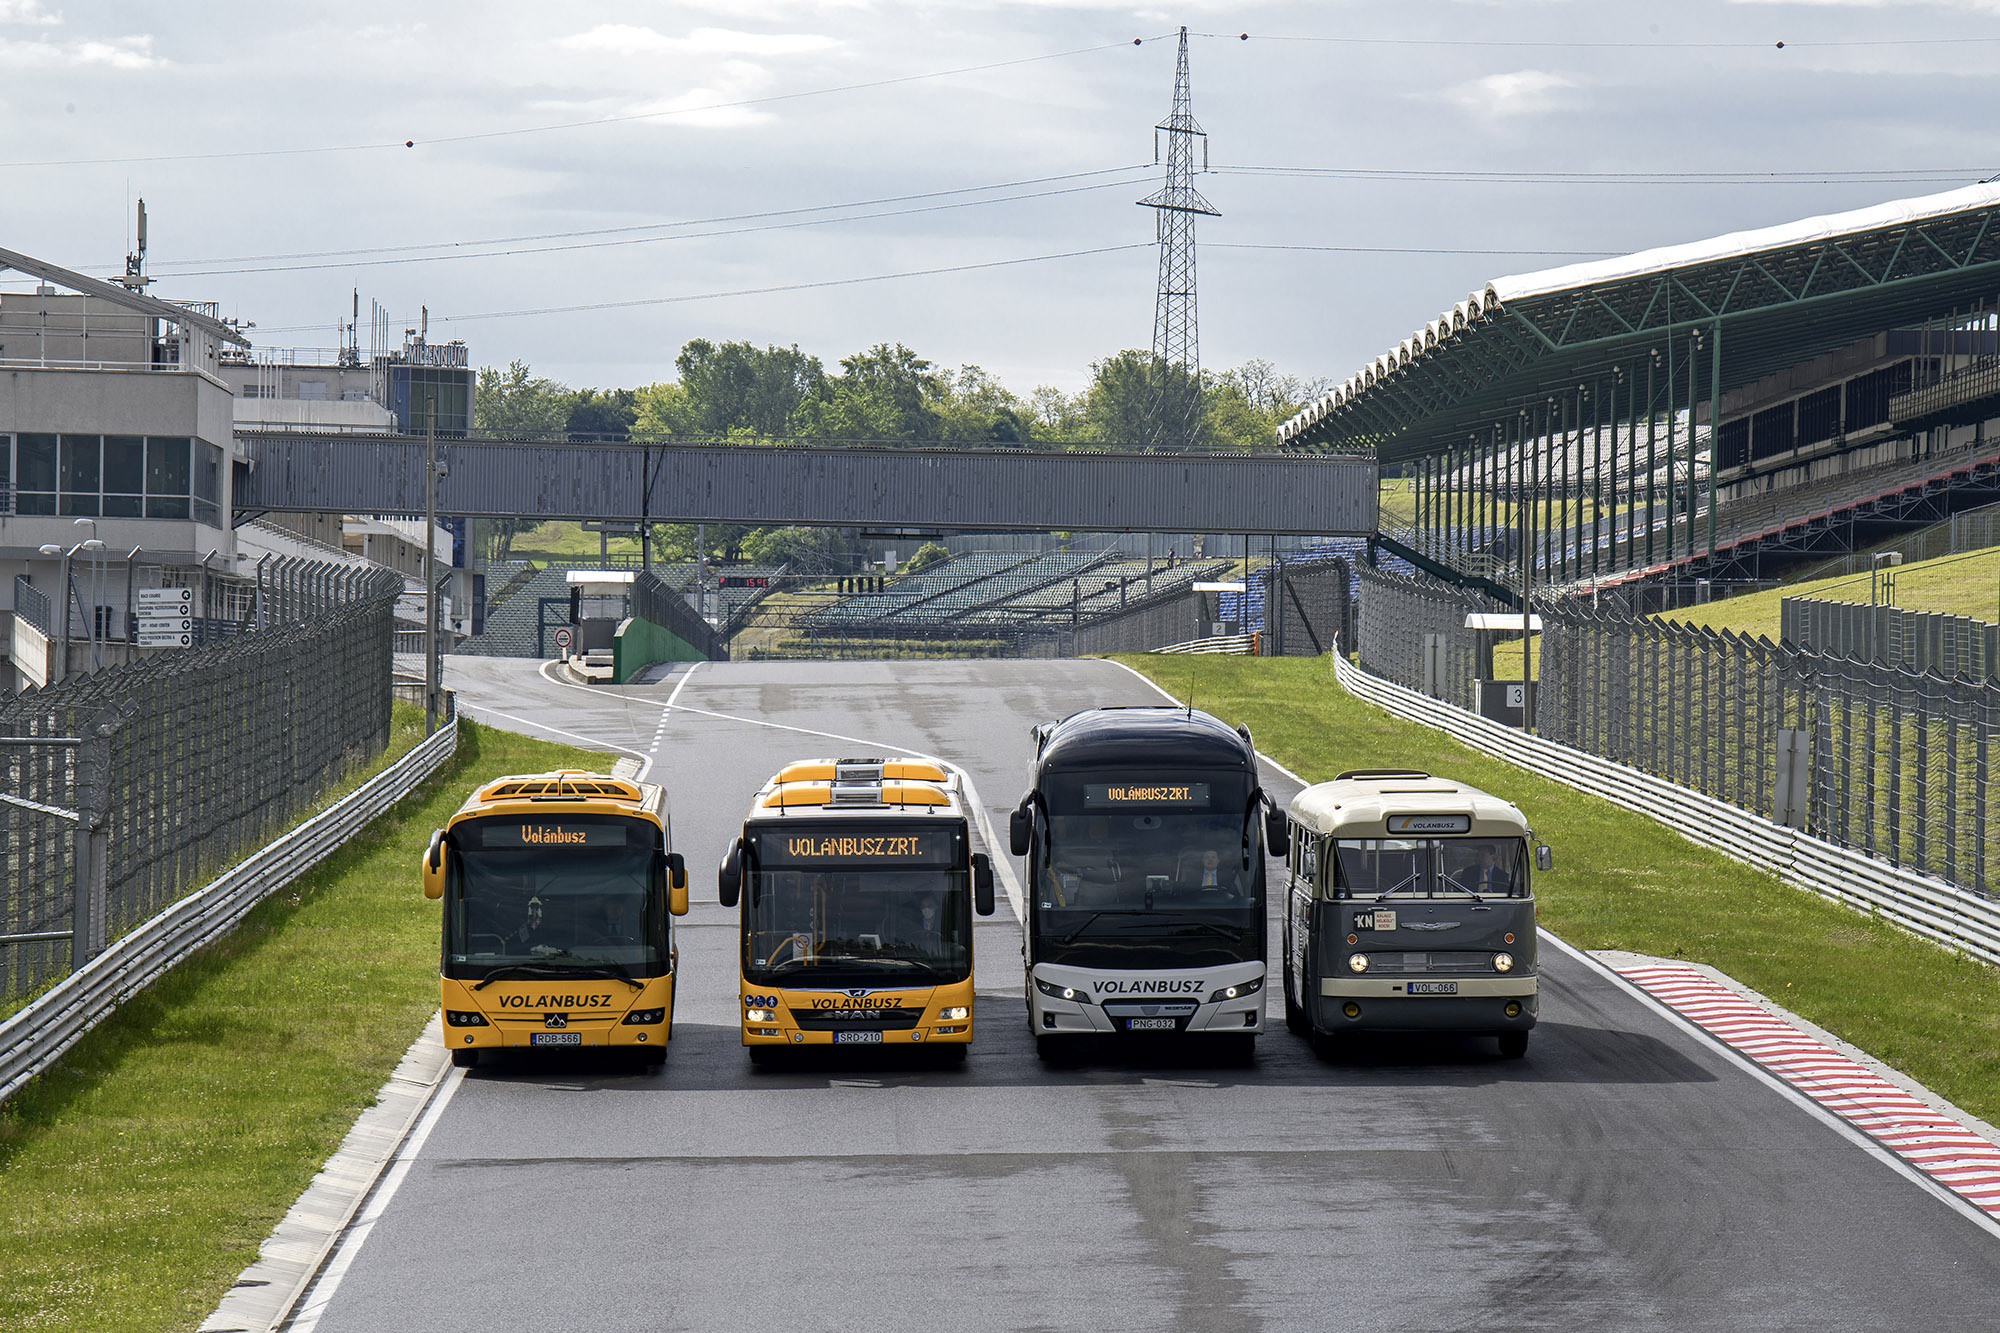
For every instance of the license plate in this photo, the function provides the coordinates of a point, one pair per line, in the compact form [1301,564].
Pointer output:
[1433,988]
[841,1038]
[555,1039]
[1151,1024]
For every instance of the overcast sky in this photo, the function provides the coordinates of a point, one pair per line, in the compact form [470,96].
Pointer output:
[708,130]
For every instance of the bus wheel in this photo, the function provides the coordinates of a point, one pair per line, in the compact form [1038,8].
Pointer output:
[1049,1050]
[465,1059]
[763,1055]
[952,1054]
[1327,1046]
[1513,1045]
[1239,1048]
[653,1057]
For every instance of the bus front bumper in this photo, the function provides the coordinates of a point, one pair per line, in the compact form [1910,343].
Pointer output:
[1480,1004]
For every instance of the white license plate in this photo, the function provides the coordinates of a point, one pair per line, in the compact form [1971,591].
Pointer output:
[841,1038]
[1433,988]
[1151,1024]
[555,1039]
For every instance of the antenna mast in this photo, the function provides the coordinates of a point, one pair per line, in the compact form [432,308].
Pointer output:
[135,278]
[1173,402]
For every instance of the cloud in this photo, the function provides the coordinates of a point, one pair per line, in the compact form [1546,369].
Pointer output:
[728,81]
[27,12]
[1970,6]
[121,53]
[625,39]
[1524,92]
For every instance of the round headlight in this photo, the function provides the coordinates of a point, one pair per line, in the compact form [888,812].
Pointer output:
[1503,962]
[1359,962]
[1069,992]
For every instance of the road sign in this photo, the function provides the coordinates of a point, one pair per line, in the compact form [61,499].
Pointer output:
[164,597]
[562,639]
[164,638]
[166,624]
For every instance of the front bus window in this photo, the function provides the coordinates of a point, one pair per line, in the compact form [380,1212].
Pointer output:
[1430,868]
[902,916]
[555,893]
[1150,875]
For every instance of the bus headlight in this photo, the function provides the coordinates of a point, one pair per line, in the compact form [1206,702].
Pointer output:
[464,1018]
[956,1014]
[1240,989]
[645,1016]
[1055,992]
[1358,962]
[760,1015]
[1503,962]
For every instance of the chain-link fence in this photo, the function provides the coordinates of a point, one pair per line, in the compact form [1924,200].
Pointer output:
[127,788]
[1308,606]
[1412,630]
[1891,762]
[658,604]
[1920,641]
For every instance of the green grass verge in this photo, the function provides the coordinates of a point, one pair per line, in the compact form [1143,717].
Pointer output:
[1966,584]
[139,1176]
[1623,881]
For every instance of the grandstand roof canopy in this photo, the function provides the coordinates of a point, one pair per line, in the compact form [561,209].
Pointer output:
[1774,296]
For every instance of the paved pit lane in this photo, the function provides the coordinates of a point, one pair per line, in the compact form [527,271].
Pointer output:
[1628,1174]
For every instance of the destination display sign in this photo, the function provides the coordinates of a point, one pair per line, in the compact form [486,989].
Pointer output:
[1430,823]
[1146,792]
[551,833]
[777,849]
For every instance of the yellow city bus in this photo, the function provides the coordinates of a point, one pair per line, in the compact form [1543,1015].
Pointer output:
[858,884]
[557,889]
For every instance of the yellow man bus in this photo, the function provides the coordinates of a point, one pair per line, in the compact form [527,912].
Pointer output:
[557,890]
[858,884]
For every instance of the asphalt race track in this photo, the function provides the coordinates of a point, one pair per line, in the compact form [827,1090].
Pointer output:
[1629,1174]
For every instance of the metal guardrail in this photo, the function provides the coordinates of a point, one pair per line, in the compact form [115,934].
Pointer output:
[1225,643]
[1958,919]
[37,1036]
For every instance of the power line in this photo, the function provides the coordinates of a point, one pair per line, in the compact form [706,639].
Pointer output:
[1475,175]
[650,226]
[1582,46]
[756,291]
[581,124]
[350,264]
[1411,250]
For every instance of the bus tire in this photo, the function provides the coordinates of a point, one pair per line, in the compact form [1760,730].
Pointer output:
[465,1059]
[1049,1050]
[1328,1047]
[762,1055]
[1513,1045]
[1239,1048]
[951,1054]
[653,1057]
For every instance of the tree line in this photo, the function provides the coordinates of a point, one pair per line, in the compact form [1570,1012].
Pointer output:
[735,390]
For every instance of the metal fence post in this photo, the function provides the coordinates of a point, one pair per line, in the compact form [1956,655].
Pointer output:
[88,907]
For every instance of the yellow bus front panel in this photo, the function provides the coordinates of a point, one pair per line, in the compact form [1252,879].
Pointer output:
[557,1013]
[886,1016]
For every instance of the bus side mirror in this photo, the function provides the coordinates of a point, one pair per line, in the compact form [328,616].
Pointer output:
[677,884]
[1018,826]
[982,884]
[1544,858]
[729,876]
[1277,832]
[434,866]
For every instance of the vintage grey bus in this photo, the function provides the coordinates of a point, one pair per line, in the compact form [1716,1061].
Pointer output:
[1409,908]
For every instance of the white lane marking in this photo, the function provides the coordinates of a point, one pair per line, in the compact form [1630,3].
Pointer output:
[591,741]
[329,1279]
[1964,1207]
[660,732]
[1181,703]
[1002,864]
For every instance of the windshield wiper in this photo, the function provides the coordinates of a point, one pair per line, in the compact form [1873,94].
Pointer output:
[611,971]
[1074,935]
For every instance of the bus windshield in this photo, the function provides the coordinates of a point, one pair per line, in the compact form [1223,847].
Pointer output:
[821,925]
[1161,887]
[1430,868]
[575,892]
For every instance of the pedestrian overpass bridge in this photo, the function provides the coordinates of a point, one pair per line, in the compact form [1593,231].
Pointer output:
[985,488]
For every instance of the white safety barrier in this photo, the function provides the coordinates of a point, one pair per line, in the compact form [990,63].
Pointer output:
[1227,643]
[35,1037]
[1938,911]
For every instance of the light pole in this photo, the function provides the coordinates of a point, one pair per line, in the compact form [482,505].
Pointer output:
[430,564]
[63,594]
[95,548]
